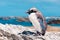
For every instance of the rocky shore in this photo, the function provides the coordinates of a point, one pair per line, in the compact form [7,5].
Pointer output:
[16,32]
[50,20]
[53,20]
[19,19]
[11,32]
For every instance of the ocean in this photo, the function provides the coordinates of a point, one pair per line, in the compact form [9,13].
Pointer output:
[13,21]
[55,25]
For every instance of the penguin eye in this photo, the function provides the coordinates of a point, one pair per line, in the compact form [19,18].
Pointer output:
[32,11]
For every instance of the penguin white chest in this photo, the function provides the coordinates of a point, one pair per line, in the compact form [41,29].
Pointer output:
[35,22]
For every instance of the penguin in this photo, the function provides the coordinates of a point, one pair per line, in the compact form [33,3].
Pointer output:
[37,21]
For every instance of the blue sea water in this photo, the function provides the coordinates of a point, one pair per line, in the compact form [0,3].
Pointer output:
[58,25]
[13,21]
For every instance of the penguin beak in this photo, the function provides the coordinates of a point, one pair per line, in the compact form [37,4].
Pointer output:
[28,11]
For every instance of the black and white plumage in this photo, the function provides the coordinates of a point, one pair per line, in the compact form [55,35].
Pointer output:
[33,17]
[34,20]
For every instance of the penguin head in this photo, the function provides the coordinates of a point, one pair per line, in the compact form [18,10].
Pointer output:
[32,10]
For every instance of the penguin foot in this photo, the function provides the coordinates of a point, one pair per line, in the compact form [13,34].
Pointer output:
[40,33]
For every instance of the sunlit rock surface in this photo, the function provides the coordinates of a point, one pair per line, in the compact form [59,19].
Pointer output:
[11,32]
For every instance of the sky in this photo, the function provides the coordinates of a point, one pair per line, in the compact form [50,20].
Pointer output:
[19,7]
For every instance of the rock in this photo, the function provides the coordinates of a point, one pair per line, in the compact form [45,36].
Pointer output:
[11,32]
[8,36]
[54,22]
[5,18]
[26,38]
[21,19]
